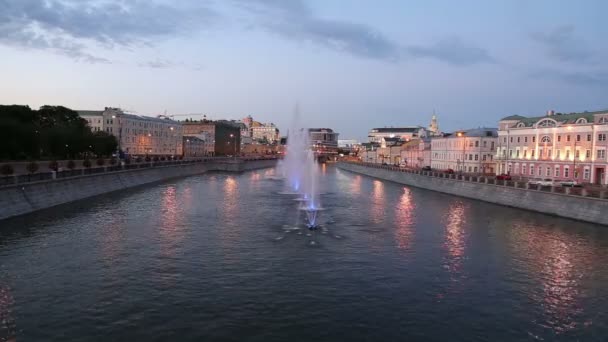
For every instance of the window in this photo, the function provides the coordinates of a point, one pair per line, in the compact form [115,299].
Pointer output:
[533,139]
[531,170]
[518,139]
[557,171]
[588,154]
[546,123]
[511,139]
[577,154]
[588,137]
[476,157]
[601,137]
[581,121]
[541,152]
[517,153]
[476,143]
[525,153]
[492,147]
[532,153]
[475,169]
[567,154]
[545,139]
[567,138]
[548,171]
[549,155]
[509,168]
[557,153]
[587,174]
[469,169]
[525,139]
[601,154]
[578,137]
[604,120]
[485,144]
[470,157]
[566,172]
[523,169]
[539,170]
[510,153]
[521,124]
[504,140]
[559,138]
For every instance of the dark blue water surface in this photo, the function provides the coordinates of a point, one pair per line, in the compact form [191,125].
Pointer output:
[218,257]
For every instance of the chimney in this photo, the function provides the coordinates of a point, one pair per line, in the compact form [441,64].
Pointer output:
[550,112]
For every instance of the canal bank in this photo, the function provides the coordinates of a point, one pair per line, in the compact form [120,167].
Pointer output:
[22,199]
[573,207]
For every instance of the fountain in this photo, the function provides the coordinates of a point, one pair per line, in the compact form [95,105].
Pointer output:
[301,172]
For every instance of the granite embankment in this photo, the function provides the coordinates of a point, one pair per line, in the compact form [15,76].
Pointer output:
[581,208]
[26,198]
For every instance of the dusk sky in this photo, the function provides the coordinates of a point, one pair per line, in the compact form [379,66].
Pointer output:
[350,65]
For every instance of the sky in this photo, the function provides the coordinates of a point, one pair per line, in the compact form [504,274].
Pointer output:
[350,65]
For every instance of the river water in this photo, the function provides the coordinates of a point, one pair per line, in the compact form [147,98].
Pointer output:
[218,257]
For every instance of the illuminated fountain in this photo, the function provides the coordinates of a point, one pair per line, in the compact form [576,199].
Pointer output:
[301,172]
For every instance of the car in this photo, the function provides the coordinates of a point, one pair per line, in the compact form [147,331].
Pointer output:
[449,171]
[534,181]
[503,176]
[570,182]
[545,182]
[426,168]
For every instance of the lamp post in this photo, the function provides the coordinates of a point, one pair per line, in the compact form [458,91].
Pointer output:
[233,136]
[460,134]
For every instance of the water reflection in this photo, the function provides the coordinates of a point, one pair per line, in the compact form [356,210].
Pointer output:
[404,220]
[378,202]
[355,185]
[171,235]
[454,242]
[229,211]
[558,263]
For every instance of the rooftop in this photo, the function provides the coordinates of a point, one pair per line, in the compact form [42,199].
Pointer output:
[569,118]
[410,129]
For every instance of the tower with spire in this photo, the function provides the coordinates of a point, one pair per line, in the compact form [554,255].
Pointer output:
[434,126]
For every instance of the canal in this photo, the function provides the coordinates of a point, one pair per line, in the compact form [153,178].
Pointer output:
[219,257]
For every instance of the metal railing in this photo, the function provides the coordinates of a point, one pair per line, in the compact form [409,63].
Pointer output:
[52,175]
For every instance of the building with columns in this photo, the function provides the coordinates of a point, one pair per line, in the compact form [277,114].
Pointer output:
[557,146]
[467,151]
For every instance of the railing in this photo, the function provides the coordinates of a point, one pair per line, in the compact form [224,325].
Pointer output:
[51,175]
[597,193]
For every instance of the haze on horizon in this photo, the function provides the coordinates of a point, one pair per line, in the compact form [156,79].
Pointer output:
[351,65]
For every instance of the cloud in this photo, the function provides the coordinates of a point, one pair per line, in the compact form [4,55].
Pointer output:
[452,51]
[583,78]
[295,20]
[70,26]
[561,44]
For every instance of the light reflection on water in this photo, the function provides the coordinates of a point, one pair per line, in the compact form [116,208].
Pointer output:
[404,216]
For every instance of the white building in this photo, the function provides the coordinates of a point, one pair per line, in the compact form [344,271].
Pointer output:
[137,134]
[556,146]
[470,151]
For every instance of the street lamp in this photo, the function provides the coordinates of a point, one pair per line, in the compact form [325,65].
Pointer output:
[233,136]
[460,134]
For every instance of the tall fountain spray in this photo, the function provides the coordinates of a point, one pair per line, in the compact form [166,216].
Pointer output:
[301,171]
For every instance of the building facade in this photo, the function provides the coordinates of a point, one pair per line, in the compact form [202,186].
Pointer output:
[556,146]
[416,153]
[468,151]
[137,134]
[266,132]
[199,145]
[403,133]
[225,135]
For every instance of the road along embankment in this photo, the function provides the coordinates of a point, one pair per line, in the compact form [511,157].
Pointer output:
[26,198]
[594,210]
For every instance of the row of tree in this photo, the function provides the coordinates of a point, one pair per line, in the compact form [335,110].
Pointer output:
[51,132]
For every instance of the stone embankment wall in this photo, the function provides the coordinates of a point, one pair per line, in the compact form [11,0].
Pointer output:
[26,198]
[592,210]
